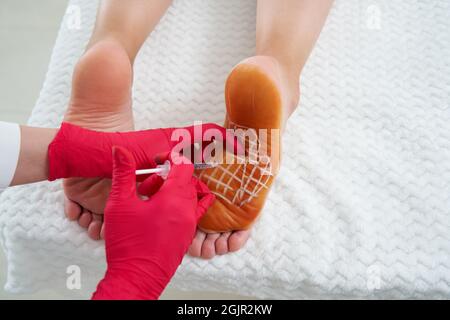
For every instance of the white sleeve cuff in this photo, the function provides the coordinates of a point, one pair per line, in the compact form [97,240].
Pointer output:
[10,149]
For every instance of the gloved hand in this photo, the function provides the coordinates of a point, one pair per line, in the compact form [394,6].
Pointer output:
[79,152]
[146,240]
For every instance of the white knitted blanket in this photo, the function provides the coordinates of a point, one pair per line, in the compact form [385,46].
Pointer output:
[361,207]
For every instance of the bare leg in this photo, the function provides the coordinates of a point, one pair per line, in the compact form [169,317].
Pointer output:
[101,92]
[286,32]
[128,22]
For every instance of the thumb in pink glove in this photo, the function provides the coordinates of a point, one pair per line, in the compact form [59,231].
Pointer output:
[146,240]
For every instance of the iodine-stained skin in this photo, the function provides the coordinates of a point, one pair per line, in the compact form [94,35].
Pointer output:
[253,101]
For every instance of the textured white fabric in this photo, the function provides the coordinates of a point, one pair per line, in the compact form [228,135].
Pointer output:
[10,148]
[361,206]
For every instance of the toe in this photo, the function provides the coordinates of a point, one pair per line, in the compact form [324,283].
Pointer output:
[222,243]
[238,239]
[195,250]
[72,209]
[102,232]
[209,245]
[85,219]
[95,227]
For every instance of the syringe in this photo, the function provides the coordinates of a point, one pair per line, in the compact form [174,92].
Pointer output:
[163,169]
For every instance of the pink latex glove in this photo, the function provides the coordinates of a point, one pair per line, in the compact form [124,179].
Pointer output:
[146,240]
[79,152]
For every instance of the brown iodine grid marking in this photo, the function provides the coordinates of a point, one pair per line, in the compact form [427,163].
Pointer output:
[251,176]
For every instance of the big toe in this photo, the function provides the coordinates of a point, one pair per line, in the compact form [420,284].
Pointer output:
[238,239]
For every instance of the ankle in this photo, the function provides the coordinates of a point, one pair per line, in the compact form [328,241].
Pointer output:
[290,81]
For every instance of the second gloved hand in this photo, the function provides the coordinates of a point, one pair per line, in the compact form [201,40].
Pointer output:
[146,240]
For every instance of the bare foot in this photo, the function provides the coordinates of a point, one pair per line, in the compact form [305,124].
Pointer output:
[260,94]
[100,100]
